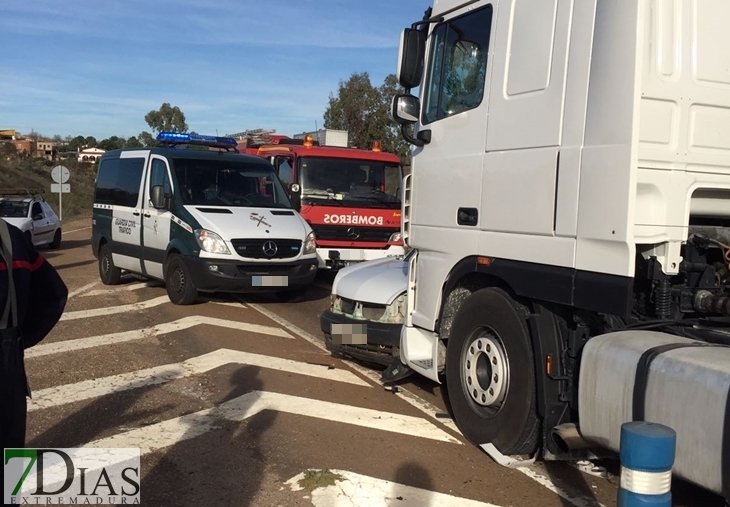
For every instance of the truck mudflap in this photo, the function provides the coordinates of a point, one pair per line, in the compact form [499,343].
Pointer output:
[636,375]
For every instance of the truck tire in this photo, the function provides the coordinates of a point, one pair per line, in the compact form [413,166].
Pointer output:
[179,285]
[490,374]
[108,272]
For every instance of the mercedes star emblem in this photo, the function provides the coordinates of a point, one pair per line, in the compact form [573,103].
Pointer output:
[270,248]
[353,233]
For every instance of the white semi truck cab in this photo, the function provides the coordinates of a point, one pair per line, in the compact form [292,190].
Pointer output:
[569,202]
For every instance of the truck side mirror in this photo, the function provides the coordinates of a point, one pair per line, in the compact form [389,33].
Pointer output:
[295,196]
[404,109]
[157,196]
[411,53]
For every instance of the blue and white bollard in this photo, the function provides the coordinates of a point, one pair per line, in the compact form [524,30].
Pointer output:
[647,456]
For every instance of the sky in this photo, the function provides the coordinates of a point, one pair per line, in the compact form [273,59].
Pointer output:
[96,68]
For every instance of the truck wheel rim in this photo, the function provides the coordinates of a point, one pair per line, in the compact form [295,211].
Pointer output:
[485,370]
[105,268]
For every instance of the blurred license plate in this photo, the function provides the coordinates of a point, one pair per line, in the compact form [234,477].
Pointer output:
[349,334]
[270,281]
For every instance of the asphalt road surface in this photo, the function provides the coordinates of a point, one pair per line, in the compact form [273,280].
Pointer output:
[233,400]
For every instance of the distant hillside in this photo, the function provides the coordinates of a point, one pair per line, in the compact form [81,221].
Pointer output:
[20,171]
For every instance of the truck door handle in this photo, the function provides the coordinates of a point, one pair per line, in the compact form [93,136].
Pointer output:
[147,215]
[467,216]
[136,213]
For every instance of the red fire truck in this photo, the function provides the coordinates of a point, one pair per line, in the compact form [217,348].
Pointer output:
[350,197]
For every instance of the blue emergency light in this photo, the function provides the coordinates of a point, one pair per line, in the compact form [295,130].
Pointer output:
[173,138]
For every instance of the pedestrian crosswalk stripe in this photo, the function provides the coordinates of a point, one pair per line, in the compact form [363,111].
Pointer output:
[139,334]
[167,433]
[88,389]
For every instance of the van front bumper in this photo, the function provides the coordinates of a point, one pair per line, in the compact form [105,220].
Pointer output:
[335,258]
[219,275]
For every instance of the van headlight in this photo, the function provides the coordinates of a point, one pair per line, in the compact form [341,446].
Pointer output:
[211,242]
[396,238]
[310,244]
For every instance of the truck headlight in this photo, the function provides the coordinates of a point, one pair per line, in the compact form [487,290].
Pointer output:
[396,238]
[211,242]
[310,244]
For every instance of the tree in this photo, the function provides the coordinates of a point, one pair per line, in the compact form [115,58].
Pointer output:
[133,142]
[112,143]
[364,111]
[77,143]
[165,119]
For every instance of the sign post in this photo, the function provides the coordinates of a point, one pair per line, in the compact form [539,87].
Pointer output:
[60,175]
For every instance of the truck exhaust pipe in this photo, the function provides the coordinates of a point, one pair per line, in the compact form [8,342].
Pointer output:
[568,438]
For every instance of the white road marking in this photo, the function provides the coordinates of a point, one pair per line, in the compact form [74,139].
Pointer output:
[81,290]
[104,311]
[564,491]
[421,404]
[70,393]
[77,230]
[167,433]
[355,490]
[138,334]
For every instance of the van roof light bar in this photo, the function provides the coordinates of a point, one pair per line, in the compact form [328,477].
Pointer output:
[177,138]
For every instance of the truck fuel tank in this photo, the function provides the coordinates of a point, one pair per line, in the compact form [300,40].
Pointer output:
[657,377]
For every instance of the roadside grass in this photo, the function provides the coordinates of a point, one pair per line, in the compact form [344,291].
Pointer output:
[22,172]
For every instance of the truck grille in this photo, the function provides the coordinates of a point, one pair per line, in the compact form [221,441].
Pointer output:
[263,249]
[353,233]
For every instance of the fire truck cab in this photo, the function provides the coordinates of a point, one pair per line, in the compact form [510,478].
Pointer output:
[350,197]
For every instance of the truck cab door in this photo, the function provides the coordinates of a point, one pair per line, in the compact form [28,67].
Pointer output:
[156,222]
[455,109]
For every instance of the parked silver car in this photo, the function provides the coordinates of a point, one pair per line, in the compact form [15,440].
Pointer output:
[28,211]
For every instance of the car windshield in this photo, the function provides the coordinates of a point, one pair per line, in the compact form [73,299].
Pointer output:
[205,182]
[349,182]
[13,209]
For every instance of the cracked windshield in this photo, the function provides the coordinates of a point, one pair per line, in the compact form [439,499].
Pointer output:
[362,183]
[225,183]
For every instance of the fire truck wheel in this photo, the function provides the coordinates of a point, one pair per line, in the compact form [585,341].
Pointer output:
[490,374]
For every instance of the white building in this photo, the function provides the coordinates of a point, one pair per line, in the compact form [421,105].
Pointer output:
[90,154]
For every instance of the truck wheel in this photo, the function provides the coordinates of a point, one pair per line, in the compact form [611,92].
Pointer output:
[56,244]
[108,272]
[490,374]
[180,287]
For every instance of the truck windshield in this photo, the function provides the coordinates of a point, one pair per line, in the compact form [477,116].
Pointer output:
[226,183]
[349,182]
[13,209]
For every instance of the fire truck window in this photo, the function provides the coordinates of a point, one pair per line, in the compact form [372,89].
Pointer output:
[285,170]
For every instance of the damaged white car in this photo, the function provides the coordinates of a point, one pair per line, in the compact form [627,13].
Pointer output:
[367,310]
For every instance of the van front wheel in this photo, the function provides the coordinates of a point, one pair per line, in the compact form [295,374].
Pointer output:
[179,285]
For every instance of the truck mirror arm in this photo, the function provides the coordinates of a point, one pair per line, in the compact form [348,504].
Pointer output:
[423,137]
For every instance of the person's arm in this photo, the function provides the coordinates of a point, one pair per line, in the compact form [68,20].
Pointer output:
[48,295]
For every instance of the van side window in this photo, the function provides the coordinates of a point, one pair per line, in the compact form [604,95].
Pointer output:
[160,176]
[118,181]
[457,65]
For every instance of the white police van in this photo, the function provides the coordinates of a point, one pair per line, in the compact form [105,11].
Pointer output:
[199,218]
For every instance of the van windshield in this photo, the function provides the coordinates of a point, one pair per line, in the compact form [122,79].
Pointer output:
[350,182]
[205,182]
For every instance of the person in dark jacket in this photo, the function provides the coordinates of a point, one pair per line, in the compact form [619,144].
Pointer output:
[32,300]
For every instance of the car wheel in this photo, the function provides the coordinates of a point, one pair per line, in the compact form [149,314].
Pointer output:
[179,285]
[292,295]
[490,374]
[108,272]
[56,244]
